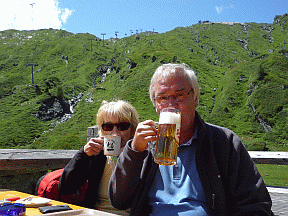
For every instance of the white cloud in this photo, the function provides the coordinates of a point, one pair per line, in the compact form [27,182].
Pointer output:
[220,9]
[66,13]
[32,14]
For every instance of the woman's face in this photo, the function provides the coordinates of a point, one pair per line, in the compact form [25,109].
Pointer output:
[125,135]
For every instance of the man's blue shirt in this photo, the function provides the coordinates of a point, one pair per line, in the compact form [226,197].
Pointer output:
[177,190]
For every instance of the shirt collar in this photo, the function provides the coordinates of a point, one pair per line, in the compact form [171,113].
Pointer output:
[189,142]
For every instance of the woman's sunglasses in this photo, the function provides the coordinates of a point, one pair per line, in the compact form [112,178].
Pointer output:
[122,126]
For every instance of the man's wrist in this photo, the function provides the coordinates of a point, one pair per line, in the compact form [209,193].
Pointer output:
[134,148]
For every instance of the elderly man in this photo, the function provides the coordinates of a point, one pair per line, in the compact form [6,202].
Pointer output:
[214,174]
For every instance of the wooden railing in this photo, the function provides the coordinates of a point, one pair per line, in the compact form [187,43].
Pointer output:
[20,169]
[267,157]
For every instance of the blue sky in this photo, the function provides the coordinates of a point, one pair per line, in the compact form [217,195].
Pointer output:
[108,16]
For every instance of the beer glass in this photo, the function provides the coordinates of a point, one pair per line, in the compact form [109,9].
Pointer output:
[168,137]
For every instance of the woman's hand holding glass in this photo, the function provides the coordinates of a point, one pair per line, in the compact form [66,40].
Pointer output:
[94,146]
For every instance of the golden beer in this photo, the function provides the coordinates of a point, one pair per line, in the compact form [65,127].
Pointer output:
[168,137]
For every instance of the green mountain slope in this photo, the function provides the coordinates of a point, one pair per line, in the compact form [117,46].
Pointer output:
[241,68]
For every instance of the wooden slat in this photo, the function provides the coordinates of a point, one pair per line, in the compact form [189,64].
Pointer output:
[15,161]
[263,157]
[31,165]
[6,154]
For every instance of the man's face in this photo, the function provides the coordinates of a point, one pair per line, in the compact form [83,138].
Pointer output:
[172,87]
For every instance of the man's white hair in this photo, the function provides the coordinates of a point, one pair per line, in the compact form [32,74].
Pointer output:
[167,70]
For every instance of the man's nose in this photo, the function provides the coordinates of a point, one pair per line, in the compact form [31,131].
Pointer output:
[172,102]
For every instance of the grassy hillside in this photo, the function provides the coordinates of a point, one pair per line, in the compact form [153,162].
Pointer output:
[241,68]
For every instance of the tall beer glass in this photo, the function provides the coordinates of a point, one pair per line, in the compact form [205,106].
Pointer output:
[168,137]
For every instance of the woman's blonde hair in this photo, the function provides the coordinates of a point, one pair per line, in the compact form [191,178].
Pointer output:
[121,110]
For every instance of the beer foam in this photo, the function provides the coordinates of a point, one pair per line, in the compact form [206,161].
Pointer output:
[169,118]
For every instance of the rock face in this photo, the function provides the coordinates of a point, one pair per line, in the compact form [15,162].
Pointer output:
[266,125]
[277,18]
[285,54]
[54,108]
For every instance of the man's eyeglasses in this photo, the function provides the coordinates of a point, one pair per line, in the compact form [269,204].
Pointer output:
[122,126]
[178,97]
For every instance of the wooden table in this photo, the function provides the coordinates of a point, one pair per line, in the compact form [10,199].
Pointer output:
[31,211]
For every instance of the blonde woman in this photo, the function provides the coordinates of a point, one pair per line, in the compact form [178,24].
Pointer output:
[113,118]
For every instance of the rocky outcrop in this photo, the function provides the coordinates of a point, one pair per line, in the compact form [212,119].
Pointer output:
[263,122]
[54,108]
[285,53]
[269,30]
[277,18]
